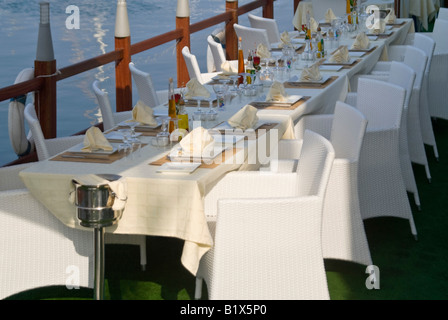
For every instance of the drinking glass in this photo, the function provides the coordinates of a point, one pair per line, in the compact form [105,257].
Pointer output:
[133,137]
[220,90]
[126,145]
[163,137]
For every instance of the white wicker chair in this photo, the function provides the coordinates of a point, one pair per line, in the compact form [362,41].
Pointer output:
[382,191]
[37,250]
[268,232]
[218,54]
[403,76]
[251,38]
[320,7]
[47,148]
[443,14]
[343,234]
[45,151]
[270,25]
[110,118]
[145,86]
[193,67]
[416,59]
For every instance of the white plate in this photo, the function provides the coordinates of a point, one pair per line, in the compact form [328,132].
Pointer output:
[79,146]
[330,68]
[289,100]
[227,138]
[349,63]
[321,81]
[115,135]
[177,154]
[178,167]
[372,38]
[356,53]
[226,126]
[385,33]
[139,125]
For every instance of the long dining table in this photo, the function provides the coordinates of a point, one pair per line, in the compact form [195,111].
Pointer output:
[171,205]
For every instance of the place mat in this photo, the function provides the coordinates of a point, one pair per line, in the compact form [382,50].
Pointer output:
[298,49]
[367,51]
[92,158]
[203,104]
[205,165]
[148,132]
[252,134]
[344,66]
[309,85]
[273,106]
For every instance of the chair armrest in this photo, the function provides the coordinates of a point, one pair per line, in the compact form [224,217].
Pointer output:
[58,145]
[377,75]
[319,123]
[383,66]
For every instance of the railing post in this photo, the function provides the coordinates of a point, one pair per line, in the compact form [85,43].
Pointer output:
[231,38]
[182,22]
[123,80]
[45,66]
[268,9]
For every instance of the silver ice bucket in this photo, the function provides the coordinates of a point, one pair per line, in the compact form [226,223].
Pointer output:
[94,203]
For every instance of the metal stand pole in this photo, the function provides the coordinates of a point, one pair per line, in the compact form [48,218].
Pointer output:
[99,263]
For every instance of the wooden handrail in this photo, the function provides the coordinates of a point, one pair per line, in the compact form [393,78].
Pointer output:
[251,6]
[210,22]
[155,41]
[21,88]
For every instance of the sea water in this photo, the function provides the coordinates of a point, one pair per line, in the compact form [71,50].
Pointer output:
[77,108]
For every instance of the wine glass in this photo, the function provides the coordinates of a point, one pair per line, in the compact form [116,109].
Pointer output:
[133,137]
[163,137]
[220,90]
[126,134]
[234,90]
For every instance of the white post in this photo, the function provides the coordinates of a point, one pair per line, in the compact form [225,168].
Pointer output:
[122,21]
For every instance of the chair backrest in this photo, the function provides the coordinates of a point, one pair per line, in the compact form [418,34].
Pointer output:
[439,30]
[36,132]
[251,38]
[270,25]
[427,45]
[404,76]
[313,169]
[320,7]
[417,60]
[347,131]
[381,103]
[145,86]
[104,104]
[192,64]
[217,51]
[443,13]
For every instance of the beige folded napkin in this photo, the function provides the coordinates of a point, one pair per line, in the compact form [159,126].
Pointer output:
[361,42]
[228,68]
[379,27]
[263,51]
[94,139]
[313,24]
[285,39]
[329,15]
[119,187]
[143,114]
[244,119]
[311,74]
[196,89]
[197,141]
[340,56]
[391,17]
[277,93]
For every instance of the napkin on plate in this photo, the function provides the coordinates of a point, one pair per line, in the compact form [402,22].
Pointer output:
[361,42]
[119,187]
[341,55]
[244,119]
[313,24]
[197,141]
[94,139]
[329,15]
[391,17]
[277,93]
[379,27]
[263,51]
[285,39]
[143,114]
[228,68]
[196,89]
[311,74]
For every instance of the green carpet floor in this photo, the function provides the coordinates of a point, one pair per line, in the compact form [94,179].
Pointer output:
[409,269]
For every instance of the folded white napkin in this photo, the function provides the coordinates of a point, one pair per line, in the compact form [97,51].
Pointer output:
[196,89]
[244,119]
[197,141]
[119,187]
[379,27]
[341,55]
[263,51]
[313,24]
[361,42]
[285,39]
[94,139]
[277,93]
[228,68]
[329,15]
[143,114]
[391,17]
[311,74]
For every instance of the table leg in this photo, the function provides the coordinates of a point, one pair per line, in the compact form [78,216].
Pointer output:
[99,263]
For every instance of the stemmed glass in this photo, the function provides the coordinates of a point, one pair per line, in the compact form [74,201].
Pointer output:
[126,145]
[133,138]
[163,137]
[220,90]
[234,90]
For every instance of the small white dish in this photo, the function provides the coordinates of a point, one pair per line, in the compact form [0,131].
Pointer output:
[356,53]
[178,167]
[330,68]
[115,135]
[139,125]
[227,138]
[348,63]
